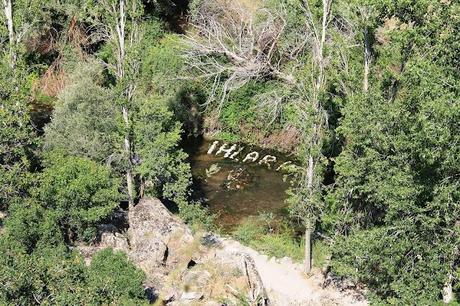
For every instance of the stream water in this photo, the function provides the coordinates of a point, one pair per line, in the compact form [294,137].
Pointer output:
[235,190]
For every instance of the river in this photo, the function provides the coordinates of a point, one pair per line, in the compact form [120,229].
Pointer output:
[235,190]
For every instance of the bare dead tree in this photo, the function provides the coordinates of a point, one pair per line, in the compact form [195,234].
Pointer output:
[228,47]
[8,11]
[16,33]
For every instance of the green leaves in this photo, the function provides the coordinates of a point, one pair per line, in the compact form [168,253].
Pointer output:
[162,168]
[56,276]
[85,119]
[79,193]
[112,279]
[397,176]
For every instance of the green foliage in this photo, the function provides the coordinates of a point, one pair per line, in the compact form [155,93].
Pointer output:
[31,226]
[85,119]
[197,216]
[399,265]
[248,231]
[162,167]
[112,279]
[241,108]
[274,240]
[47,276]
[78,193]
[56,276]
[18,141]
[396,198]
[392,200]
[161,65]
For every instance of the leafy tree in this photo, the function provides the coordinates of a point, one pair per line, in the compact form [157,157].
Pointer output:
[78,193]
[57,276]
[85,120]
[397,183]
[50,276]
[18,139]
[163,169]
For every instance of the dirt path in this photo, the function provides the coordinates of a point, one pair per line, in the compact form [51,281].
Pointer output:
[286,285]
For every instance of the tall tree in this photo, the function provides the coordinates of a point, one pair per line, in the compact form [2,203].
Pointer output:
[311,111]
[398,173]
[117,22]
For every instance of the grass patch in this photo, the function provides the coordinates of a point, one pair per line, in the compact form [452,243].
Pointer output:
[271,239]
[279,240]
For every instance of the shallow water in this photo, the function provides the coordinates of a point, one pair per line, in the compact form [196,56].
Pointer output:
[249,190]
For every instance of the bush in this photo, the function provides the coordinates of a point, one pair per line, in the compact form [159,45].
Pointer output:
[84,122]
[78,193]
[112,279]
[55,276]
[163,167]
[197,216]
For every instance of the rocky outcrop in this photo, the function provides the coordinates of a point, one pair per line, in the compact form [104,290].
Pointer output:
[181,268]
[158,240]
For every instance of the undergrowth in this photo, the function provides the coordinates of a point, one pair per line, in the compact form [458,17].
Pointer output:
[277,239]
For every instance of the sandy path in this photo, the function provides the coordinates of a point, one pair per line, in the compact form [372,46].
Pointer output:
[286,285]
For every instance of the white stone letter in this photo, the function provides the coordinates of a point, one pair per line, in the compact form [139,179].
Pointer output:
[224,149]
[253,156]
[236,153]
[267,160]
[213,147]
[283,165]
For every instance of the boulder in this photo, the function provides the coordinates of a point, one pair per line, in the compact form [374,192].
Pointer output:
[191,296]
[181,269]
[157,239]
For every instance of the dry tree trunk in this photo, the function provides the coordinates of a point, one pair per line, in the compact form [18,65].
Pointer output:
[308,257]
[258,294]
[8,10]
[317,126]
[367,59]
[120,31]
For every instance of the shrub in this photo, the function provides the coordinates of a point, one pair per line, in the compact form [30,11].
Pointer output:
[197,216]
[112,279]
[78,193]
[84,121]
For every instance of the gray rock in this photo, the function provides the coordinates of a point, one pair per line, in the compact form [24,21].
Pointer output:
[156,238]
[196,279]
[285,261]
[191,296]
[115,241]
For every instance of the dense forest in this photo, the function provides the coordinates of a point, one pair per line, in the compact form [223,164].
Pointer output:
[98,97]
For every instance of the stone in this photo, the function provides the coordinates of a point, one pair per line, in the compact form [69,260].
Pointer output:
[285,261]
[191,296]
[196,279]
[210,240]
[253,156]
[267,160]
[115,241]
[157,239]
[213,147]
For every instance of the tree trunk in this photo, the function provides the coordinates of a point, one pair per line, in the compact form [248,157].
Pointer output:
[120,30]
[8,10]
[127,147]
[318,123]
[447,294]
[367,58]
[310,174]
[308,259]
